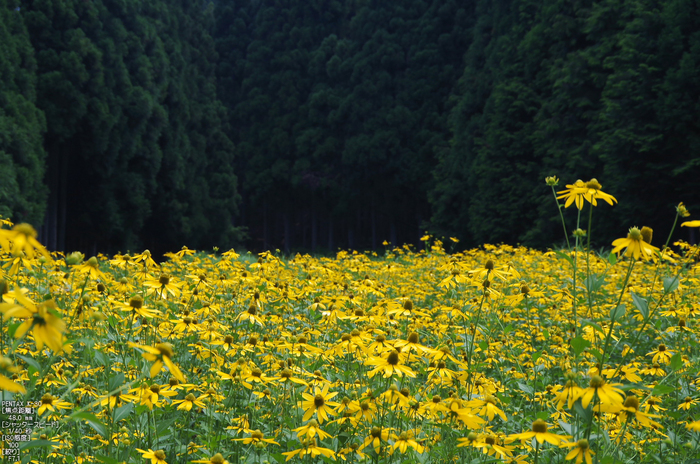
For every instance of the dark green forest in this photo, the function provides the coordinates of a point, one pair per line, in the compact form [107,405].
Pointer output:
[317,124]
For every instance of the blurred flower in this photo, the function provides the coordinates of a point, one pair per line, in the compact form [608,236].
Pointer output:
[22,239]
[156,457]
[580,452]
[161,354]
[43,320]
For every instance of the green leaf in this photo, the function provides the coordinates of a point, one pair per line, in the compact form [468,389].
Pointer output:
[36,444]
[612,258]
[579,344]
[617,313]
[92,421]
[164,426]
[279,457]
[566,427]
[593,283]
[662,390]
[585,414]
[676,362]
[598,355]
[483,345]
[544,415]
[508,329]
[526,388]
[124,411]
[671,284]
[596,327]
[101,358]
[12,328]
[641,304]
[535,356]
[565,256]
[115,381]
[30,361]
[106,459]
[545,334]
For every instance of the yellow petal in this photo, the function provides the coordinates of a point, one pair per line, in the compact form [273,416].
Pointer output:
[156,368]
[8,385]
[174,370]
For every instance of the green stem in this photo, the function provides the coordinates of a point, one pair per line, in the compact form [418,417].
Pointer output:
[470,352]
[588,257]
[561,215]
[574,302]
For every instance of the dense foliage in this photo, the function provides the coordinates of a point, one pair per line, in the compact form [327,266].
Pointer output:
[22,124]
[351,122]
[136,137]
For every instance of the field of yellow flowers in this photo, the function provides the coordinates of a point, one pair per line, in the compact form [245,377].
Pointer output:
[495,354]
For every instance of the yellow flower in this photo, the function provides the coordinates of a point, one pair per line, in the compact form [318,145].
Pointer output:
[389,365]
[687,403]
[488,272]
[311,429]
[189,401]
[405,440]
[43,319]
[8,385]
[309,448]
[487,407]
[161,354]
[465,415]
[256,437]
[22,238]
[5,383]
[694,426]
[156,457]
[589,191]
[661,355]
[540,433]
[375,438]
[255,375]
[607,393]
[569,394]
[630,410]
[635,246]
[251,315]
[580,452]
[318,404]
[491,446]
[136,305]
[51,403]
[163,286]
[91,268]
[216,459]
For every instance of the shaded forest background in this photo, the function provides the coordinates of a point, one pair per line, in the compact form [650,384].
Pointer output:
[317,124]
